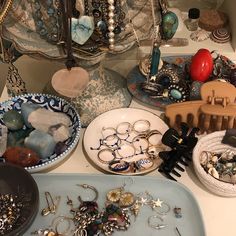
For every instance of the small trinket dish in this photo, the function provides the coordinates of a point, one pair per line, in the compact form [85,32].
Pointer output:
[55,105]
[213,143]
[18,183]
[200,35]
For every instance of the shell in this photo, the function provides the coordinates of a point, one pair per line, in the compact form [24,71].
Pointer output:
[212,171]
[200,35]
[233,179]
[221,35]
[214,159]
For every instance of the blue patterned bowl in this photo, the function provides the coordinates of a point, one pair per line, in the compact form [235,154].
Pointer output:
[52,103]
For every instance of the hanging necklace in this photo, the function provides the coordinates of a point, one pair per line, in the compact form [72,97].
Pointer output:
[72,81]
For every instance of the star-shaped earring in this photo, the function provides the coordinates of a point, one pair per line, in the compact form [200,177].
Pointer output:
[156,203]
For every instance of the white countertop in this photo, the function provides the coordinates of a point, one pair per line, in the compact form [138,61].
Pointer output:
[219,213]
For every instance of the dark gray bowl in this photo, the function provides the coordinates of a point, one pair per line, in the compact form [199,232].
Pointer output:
[17,181]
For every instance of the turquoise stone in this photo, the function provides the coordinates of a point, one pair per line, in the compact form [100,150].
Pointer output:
[13,120]
[26,109]
[169,25]
[176,94]
[40,142]
[82,29]
[16,138]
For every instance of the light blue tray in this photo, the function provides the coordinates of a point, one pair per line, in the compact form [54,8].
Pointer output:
[175,194]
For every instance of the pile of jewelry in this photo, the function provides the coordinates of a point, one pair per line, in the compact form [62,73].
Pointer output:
[129,147]
[10,212]
[120,204]
[221,166]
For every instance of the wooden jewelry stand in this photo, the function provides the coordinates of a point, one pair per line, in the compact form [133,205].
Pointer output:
[215,111]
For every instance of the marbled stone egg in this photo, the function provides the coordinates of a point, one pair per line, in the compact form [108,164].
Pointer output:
[13,120]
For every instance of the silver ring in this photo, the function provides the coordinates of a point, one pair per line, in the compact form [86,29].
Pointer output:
[107,129]
[127,130]
[86,186]
[145,123]
[129,154]
[102,160]
[151,134]
[156,226]
[165,211]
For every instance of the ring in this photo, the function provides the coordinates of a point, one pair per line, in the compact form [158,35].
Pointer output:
[141,126]
[151,137]
[142,140]
[104,158]
[85,186]
[118,165]
[165,211]
[111,141]
[123,125]
[156,226]
[110,130]
[126,150]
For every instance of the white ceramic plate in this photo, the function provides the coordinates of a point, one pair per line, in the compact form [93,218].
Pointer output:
[111,119]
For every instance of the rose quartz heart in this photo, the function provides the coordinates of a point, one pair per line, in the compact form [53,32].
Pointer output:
[70,83]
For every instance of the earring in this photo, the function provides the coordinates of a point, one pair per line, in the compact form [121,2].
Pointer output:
[155,225]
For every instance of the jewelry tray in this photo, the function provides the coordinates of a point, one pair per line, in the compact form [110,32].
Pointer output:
[173,193]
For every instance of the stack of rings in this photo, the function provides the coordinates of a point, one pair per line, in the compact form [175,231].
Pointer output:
[129,146]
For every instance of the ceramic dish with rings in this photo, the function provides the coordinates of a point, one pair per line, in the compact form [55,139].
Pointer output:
[55,104]
[119,138]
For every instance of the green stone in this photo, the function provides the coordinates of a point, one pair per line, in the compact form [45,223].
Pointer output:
[17,138]
[176,94]
[13,120]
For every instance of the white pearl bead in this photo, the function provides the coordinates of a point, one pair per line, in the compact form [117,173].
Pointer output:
[111,8]
[111,27]
[111,14]
[110,2]
[111,46]
[111,35]
[111,21]
[111,40]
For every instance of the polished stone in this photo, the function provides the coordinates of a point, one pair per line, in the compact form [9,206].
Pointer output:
[13,120]
[21,156]
[16,138]
[42,143]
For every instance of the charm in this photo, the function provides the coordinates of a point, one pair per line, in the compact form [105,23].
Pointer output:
[82,29]
[126,199]
[178,213]
[135,209]
[169,23]
[178,92]
[114,195]
[155,203]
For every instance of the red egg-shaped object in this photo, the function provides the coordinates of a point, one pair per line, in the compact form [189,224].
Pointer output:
[201,65]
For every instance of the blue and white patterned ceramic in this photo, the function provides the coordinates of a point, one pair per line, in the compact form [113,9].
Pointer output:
[52,103]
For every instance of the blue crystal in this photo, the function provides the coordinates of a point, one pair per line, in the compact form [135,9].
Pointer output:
[40,142]
[26,109]
[13,120]
[176,94]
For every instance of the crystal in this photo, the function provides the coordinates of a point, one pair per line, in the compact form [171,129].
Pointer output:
[13,120]
[59,132]
[40,142]
[16,138]
[26,109]
[60,148]
[42,119]
[21,156]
